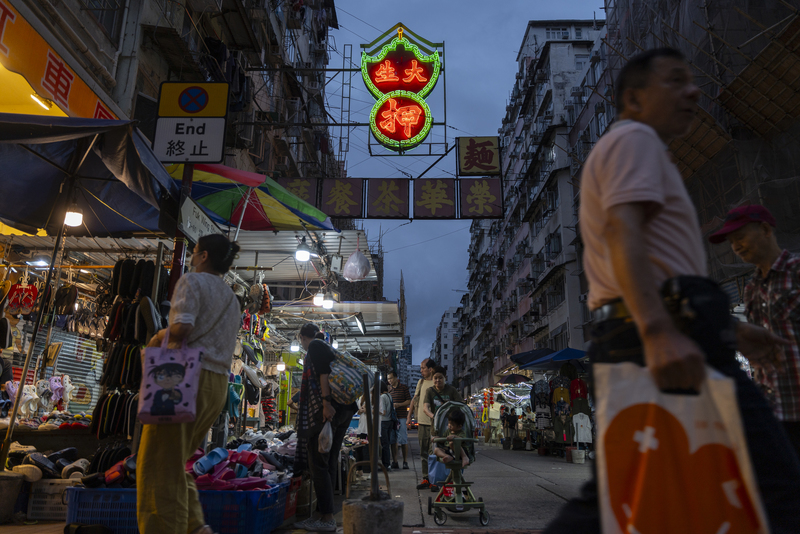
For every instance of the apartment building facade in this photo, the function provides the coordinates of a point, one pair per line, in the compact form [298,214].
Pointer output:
[524,292]
[447,336]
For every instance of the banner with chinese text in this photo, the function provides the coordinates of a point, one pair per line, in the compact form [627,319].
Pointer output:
[478,156]
[481,198]
[24,51]
[435,198]
[387,198]
[343,197]
[304,188]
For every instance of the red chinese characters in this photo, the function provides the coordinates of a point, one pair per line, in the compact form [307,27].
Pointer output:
[407,117]
[6,16]
[57,79]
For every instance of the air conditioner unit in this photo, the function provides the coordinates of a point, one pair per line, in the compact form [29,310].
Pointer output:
[314,86]
[569,103]
[576,91]
[583,298]
[596,56]
[519,76]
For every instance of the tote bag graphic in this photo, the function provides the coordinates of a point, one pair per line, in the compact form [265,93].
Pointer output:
[170,380]
[345,380]
[672,463]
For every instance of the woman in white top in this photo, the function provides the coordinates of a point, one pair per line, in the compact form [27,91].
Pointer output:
[204,313]
[387,430]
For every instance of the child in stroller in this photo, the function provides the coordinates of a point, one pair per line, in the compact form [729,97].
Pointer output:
[456,451]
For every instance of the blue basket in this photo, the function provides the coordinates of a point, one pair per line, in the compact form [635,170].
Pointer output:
[113,508]
[227,512]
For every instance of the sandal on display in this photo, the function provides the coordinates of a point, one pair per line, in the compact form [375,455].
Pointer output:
[40,461]
[78,468]
[204,464]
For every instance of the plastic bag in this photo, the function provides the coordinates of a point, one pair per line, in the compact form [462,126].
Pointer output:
[688,451]
[325,440]
[357,267]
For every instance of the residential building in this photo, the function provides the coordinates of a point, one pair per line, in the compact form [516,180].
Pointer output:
[523,292]
[447,335]
[404,359]
[414,376]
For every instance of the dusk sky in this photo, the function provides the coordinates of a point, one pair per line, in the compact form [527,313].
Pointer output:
[482,41]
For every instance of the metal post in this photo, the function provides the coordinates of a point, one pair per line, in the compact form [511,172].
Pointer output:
[157,279]
[241,218]
[179,248]
[376,421]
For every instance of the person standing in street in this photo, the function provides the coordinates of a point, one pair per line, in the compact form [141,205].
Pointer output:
[204,312]
[387,431]
[440,393]
[316,408]
[640,229]
[772,300]
[423,421]
[401,397]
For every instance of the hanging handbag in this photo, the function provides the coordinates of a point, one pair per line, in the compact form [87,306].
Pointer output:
[170,380]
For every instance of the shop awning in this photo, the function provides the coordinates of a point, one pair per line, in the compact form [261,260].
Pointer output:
[555,359]
[120,184]
[524,358]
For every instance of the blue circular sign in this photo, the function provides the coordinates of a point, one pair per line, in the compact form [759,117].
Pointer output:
[193,99]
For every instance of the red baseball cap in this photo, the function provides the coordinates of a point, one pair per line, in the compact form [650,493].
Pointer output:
[738,217]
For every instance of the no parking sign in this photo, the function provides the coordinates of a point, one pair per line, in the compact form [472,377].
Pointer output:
[191,122]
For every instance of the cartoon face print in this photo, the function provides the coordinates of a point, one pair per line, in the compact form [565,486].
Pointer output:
[168,380]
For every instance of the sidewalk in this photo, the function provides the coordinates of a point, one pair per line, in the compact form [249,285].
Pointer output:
[522,491]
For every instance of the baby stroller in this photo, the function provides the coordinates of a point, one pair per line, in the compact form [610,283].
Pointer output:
[455,494]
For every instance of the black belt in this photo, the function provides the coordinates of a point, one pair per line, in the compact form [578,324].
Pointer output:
[615,309]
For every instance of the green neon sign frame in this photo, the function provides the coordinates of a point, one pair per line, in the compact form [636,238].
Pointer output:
[408,144]
[367,60]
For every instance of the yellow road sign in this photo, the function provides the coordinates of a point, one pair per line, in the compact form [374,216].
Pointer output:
[188,99]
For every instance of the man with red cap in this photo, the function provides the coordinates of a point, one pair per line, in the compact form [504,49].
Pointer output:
[772,300]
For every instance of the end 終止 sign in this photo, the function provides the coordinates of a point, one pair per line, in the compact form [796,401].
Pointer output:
[191,122]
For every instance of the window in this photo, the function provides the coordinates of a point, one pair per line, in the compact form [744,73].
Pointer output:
[445,346]
[578,33]
[556,293]
[445,325]
[581,60]
[445,336]
[108,14]
[557,33]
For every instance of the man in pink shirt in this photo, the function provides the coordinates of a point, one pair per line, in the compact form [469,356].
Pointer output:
[640,229]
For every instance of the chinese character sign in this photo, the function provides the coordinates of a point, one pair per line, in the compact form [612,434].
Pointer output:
[343,197]
[304,188]
[478,156]
[481,198]
[400,77]
[387,198]
[434,198]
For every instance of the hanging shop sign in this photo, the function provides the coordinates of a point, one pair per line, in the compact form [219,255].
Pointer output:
[193,221]
[478,156]
[304,188]
[54,82]
[191,122]
[403,198]
[400,76]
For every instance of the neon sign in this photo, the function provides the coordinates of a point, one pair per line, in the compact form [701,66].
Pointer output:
[400,77]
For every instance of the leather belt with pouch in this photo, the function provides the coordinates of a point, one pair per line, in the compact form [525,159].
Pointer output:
[615,309]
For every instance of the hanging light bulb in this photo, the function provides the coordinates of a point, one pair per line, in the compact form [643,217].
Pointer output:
[304,252]
[281,367]
[295,346]
[319,298]
[327,303]
[74,216]
[335,344]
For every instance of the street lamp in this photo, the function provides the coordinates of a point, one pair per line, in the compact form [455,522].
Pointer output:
[74,216]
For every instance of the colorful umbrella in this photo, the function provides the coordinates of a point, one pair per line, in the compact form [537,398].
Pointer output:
[513,378]
[249,200]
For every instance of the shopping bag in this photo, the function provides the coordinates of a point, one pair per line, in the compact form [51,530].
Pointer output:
[672,463]
[437,472]
[346,377]
[325,439]
[170,378]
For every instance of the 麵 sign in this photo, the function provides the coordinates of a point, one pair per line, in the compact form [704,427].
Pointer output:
[400,77]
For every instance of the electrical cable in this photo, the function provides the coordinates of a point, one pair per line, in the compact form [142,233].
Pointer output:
[427,240]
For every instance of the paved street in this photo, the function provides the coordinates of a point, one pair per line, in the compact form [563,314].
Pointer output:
[522,490]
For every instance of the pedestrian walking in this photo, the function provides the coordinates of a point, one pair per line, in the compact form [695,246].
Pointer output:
[423,421]
[387,430]
[639,229]
[772,300]
[401,397]
[440,393]
[204,313]
[316,408]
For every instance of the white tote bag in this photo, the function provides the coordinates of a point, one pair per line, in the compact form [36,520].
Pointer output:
[672,463]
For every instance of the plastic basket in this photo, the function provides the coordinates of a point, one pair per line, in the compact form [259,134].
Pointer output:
[291,498]
[46,503]
[241,512]
[113,508]
[227,512]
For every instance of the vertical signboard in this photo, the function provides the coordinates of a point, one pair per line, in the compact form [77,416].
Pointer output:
[343,197]
[304,188]
[435,198]
[481,198]
[478,156]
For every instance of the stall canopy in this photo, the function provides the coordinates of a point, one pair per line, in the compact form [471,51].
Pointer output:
[524,358]
[250,200]
[554,360]
[119,183]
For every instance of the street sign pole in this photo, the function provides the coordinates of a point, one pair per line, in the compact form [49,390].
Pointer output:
[179,247]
